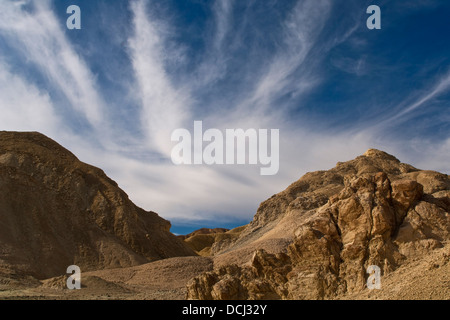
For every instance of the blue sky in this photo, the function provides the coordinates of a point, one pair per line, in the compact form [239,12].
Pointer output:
[114,91]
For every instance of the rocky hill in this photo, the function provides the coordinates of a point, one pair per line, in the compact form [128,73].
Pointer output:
[56,211]
[316,239]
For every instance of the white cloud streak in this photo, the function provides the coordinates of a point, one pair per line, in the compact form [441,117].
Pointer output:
[40,38]
[442,86]
[23,107]
[408,107]
[213,66]
[223,15]
[164,107]
[301,30]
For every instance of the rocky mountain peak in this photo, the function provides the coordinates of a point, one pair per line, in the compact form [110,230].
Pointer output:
[375,153]
[316,239]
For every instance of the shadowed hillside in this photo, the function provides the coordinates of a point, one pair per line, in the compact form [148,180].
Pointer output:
[56,211]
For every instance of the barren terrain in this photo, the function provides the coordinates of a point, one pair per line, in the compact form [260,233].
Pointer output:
[313,240]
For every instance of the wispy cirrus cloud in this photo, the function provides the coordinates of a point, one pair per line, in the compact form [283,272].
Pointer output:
[213,65]
[164,107]
[38,36]
[23,106]
[441,86]
[252,65]
[300,33]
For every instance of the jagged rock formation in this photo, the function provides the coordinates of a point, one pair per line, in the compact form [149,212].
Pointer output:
[373,210]
[56,211]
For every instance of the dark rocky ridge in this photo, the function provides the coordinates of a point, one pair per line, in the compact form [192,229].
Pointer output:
[56,211]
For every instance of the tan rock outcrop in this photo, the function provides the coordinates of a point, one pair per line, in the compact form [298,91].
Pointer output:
[376,213]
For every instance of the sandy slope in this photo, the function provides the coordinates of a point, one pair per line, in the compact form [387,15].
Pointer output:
[161,280]
[422,278]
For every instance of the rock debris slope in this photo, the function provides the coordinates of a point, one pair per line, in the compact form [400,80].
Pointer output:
[316,239]
[56,211]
